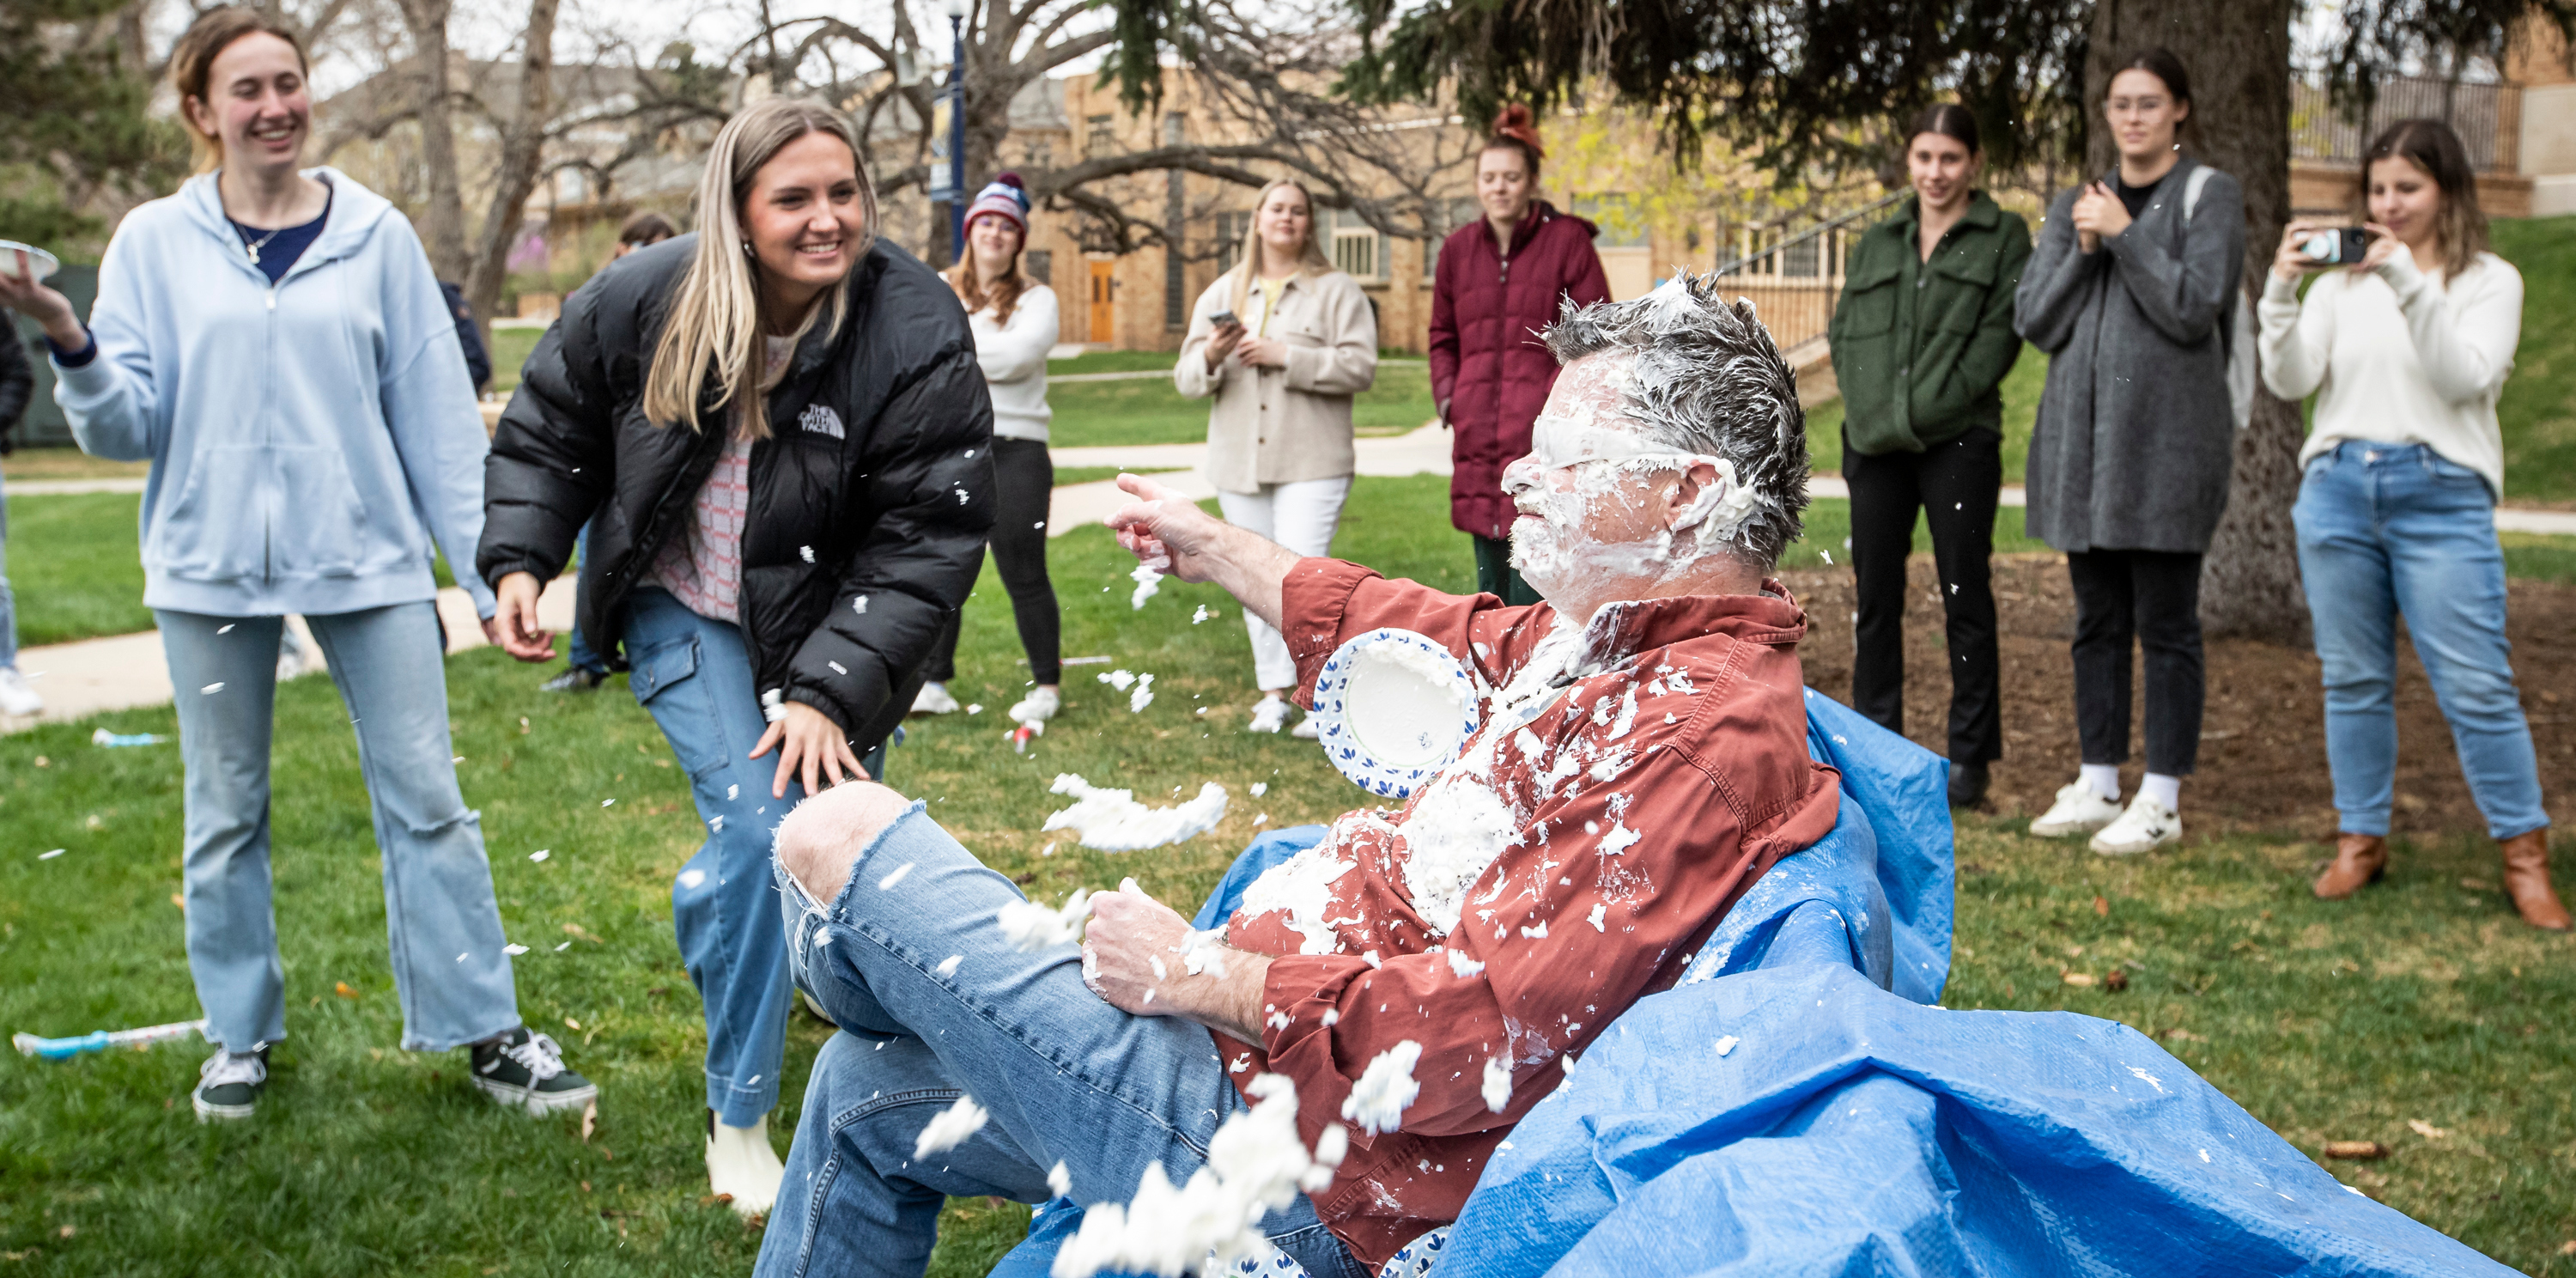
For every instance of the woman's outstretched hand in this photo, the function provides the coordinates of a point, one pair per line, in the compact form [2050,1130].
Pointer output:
[513,623]
[23,293]
[808,743]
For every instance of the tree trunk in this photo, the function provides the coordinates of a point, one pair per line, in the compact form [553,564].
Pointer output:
[522,161]
[442,224]
[2238,53]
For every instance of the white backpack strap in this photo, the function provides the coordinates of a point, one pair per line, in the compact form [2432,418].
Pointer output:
[2191,189]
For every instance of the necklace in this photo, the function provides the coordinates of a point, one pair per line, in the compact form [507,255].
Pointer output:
[252,246]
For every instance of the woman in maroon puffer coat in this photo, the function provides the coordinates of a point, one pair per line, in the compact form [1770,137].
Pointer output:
[1489,372]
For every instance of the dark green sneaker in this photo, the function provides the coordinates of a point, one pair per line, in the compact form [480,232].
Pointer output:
[525,1070]
[229,1084]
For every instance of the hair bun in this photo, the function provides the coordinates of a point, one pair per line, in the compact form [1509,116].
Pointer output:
[1517,123]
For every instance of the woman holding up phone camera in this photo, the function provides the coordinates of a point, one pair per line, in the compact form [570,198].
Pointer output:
[1281,343]
[2406,350]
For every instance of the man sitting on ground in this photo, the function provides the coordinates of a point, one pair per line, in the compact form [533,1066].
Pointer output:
[1642,761]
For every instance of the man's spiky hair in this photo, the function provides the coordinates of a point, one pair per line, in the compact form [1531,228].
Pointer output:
[1708,379]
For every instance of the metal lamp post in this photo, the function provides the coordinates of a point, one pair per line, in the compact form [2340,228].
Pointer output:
[957,196]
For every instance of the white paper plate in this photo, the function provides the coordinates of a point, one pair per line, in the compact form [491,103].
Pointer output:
[44,263]
[1392,708]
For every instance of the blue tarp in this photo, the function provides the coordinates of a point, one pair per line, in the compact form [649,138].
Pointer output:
[1852,1128]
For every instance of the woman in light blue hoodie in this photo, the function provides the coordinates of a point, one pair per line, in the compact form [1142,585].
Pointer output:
[274,343]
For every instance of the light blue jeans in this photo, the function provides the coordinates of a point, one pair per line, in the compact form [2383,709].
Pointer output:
[445,929]
[695,677]
[8,601]
[2394,529]
[1066,1077]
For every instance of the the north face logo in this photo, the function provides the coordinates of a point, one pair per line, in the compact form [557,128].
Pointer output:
[821,420]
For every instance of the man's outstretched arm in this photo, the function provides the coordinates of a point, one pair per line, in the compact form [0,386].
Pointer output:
[1166,529]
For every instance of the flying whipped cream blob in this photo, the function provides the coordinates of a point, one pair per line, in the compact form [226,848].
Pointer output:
[1113,821]
[1385,1089]
[950,1127]
[1255,1165]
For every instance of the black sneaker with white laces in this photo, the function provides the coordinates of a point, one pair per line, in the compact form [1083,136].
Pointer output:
[229,1084]
[526,1070]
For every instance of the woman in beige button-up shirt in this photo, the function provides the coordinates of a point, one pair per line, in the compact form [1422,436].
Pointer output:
[1297,341]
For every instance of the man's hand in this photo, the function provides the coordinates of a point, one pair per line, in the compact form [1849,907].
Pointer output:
[1163,527]
[1131,933]
[513,623]
[1167,530]
[809,742]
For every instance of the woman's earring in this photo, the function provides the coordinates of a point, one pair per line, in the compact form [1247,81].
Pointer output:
[746,249]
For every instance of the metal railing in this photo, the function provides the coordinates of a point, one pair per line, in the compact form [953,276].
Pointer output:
[1792,274]
[2488,118]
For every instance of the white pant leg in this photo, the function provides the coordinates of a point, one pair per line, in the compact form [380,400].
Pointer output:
[1302,517]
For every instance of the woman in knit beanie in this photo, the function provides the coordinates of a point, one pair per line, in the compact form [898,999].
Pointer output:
[1014,318]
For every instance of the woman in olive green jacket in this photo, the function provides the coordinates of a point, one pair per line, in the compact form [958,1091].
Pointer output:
[1921,339]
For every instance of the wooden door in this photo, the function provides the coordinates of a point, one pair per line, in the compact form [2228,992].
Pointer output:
[1103,315]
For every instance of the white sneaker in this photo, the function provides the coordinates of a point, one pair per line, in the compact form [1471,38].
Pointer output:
[742,1166]
[2080,809]
[2146,825]
[1037,707]
[1270,716]
[15,696]
[1306,730]
[934,699]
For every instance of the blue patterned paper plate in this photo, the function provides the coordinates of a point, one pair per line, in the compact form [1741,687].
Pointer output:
[1392,708]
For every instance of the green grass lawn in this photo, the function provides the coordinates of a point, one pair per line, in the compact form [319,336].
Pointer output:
[2424,999]
[1151,411]
[2538,408]
[74,567]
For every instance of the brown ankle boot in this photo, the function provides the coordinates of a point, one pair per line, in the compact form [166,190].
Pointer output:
[2526,880]
[2359,859]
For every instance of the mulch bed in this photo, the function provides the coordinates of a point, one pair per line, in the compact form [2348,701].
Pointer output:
[2262,755]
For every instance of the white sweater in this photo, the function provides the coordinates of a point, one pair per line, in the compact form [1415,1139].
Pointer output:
[1013,357]
[2399,357]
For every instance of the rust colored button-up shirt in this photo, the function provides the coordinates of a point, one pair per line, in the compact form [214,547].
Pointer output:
[1627,783]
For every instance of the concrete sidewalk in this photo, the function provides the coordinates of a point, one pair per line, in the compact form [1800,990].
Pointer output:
[125,672]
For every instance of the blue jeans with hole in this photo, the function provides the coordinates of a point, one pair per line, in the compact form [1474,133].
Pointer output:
[440,917]
[1066,1077]
[2390,530]
[695,677]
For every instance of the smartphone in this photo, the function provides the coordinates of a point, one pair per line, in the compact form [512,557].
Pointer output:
[1223,318]
[2337,246]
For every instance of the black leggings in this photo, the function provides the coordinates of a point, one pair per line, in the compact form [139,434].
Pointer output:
[2152,596]
[1023,477]
[1954,484]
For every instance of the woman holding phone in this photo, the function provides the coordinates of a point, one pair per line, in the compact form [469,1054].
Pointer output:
[2132,291]
[2406,350]
[778,435]
[1921,341]
[1281,343]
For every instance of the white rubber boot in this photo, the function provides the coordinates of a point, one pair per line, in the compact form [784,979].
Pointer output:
[741,1164]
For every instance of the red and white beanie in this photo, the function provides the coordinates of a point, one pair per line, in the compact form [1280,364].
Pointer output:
[1002,197]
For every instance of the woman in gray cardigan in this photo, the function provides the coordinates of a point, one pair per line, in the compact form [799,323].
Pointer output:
[2131,290]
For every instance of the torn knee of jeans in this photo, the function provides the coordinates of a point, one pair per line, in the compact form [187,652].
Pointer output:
[827,835]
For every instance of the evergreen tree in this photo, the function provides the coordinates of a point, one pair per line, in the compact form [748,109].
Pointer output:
[76,95]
